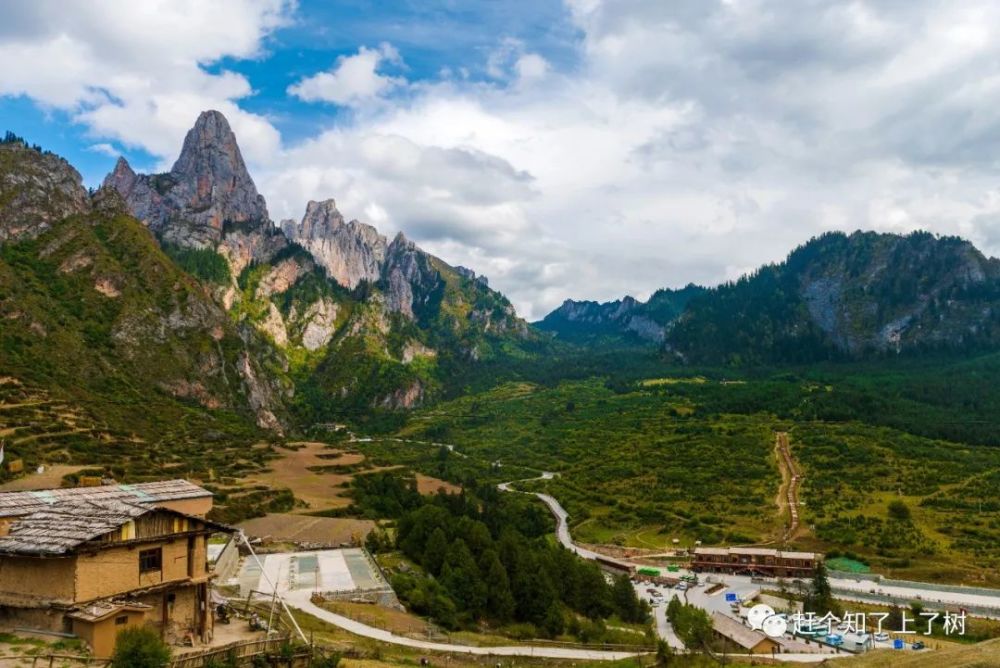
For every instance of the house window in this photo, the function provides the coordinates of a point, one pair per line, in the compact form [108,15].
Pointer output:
[150,560]
[121,620]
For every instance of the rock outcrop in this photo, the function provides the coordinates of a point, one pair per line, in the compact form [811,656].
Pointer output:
[207,188]
[409,276]
[845,296]
[350,252]
[37,189]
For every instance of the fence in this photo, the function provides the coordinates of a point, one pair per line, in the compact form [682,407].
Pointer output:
[46,660]
[909,584]
[240,650]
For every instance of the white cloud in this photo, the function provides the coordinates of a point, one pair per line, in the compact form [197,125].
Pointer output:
[691,141]
[687,141]
[135,72]
[353,80]
[104,148]
[531,66]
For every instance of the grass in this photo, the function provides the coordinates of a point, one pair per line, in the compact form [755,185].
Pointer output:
[646,463]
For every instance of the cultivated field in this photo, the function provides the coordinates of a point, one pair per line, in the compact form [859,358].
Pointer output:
[288,528]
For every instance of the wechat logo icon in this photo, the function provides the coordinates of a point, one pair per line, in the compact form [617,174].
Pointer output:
[762,618]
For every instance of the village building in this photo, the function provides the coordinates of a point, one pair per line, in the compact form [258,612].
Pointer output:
[755,561]
[91,561]
[740,638]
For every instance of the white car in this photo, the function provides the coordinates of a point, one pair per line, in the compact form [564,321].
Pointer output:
[681,586]
[881,637]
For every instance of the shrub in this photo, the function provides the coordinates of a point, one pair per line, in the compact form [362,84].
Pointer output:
[139,647]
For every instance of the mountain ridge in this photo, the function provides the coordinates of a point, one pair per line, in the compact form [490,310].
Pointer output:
[838,296]
[312,285]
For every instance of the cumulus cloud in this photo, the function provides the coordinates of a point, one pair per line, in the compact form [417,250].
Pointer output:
[353,80]
[136,72]
[684,141]
[104,148]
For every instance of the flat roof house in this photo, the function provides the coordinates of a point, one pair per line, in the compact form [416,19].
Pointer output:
[91,561]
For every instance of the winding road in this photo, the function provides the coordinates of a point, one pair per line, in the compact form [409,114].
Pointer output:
[302,600]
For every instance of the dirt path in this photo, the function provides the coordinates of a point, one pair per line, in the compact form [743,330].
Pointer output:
[788,493]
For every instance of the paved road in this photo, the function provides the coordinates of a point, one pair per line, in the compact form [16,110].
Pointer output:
[927,593]
[301,601]
[562,524]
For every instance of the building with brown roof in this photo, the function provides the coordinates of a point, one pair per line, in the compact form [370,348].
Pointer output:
[755,561]
[742,638]
[92,561]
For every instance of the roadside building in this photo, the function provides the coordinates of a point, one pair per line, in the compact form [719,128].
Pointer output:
[91,561]
[742,638]
[755,561]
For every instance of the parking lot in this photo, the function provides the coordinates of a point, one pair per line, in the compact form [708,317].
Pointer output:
[711,597]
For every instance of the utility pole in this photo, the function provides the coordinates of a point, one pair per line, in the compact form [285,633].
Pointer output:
[284,605]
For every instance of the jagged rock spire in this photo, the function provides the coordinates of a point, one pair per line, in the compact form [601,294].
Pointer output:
[208,186]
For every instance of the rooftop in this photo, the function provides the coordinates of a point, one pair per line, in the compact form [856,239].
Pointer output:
[58,528]
[757,551]
[16,504]
[95,612]
[742,635]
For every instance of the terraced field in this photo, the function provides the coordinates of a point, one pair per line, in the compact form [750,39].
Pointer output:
[60,435]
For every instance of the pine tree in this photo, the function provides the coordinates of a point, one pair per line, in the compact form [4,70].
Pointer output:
[460,576]
[435,552]
[554,623]
[820,598]
[499,601]
[626,601]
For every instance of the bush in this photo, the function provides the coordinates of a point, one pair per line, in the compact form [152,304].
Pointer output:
[898,510]
[139,647]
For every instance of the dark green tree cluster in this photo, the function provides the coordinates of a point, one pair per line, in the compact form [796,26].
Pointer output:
[487,559]
[11,138]
[385,494]
[820,597]
[691,624]
[203,263]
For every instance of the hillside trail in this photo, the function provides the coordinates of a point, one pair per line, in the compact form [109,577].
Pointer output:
[788,493]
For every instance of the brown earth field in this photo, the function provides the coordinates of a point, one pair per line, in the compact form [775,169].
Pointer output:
[52,477]
[306,468]
[284,527]
[428,485]
[319,489]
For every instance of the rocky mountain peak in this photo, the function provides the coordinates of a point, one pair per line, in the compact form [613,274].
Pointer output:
[207,187]
[350,252]
[321,218]
[122,177]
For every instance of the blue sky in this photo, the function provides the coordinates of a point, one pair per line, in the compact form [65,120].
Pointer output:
[564,148]
[434,35]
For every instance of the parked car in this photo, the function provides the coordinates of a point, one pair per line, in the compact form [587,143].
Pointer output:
[919,645]
[681,586]
[881,637]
